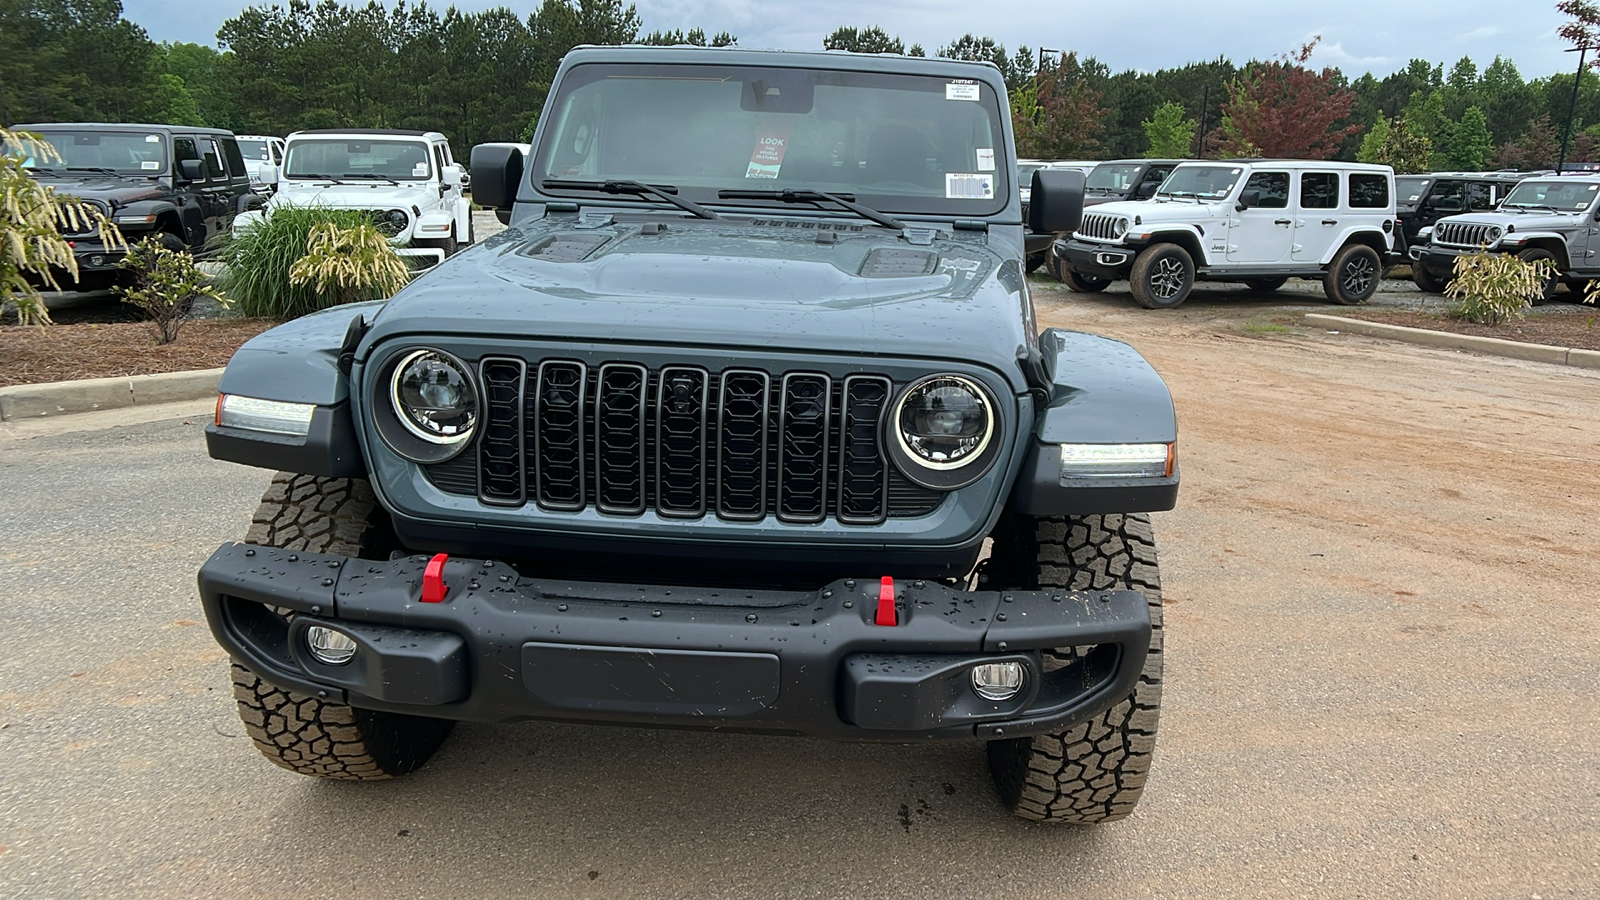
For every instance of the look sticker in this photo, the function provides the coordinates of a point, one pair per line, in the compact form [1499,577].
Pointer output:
[960,90]
[767,157]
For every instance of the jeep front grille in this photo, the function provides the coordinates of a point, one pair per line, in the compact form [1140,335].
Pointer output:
[1098,227]
[740,444]
[1465,235]
[77,226]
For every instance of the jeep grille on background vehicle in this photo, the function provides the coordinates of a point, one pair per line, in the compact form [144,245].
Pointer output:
[1097,227]
[80,228]
[741,444]
[1461,234]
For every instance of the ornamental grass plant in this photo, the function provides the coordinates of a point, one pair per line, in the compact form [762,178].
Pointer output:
[260,262]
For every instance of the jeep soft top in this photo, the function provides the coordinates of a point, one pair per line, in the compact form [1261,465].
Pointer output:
[744,424]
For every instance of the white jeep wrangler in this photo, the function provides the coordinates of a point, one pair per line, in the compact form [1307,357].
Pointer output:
[1260,222]
[408,181]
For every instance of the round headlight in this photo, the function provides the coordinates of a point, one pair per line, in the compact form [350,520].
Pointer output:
[434,398]
[944,422]
[1119,227]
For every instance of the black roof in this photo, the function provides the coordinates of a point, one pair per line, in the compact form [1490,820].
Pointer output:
[399,132]
[124,126]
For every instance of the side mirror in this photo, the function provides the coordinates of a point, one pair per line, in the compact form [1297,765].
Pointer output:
[451,176]
[1055,203]
[1147,190]
[192,170]
[269,174]
[496,174]
[1450,206]
[1248,199]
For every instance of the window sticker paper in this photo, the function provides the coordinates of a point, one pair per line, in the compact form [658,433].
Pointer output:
[985,160]
[968,186]
[152,139]
[420,170]
[767,157]
[150,165]
[960,90]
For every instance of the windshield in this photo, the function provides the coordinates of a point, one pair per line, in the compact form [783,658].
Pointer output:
[125,152]
[1204,182]
[1566,196]
[342,158]
[255,150]
[897,143]
[1117,179]
[1410,190]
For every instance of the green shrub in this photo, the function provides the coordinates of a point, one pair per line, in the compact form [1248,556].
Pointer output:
[259,262]
[166,285]
[350,263]
[1496,287]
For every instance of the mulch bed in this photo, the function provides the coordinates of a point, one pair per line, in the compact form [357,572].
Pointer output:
[32,355]
[1559,325]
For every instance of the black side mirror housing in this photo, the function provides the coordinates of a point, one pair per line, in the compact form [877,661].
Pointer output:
[1056,202]
[1147,190]
[496,173]
[1450,206]
[1247,199]
[192,170]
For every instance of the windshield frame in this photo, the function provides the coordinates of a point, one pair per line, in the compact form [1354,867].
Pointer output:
[427,154]
[989,100]
[1135,171]
[163,142]
[1590,188]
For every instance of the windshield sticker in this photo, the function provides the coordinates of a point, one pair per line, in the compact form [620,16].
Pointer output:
[985,160]
[959,90]
[767,158]
[152,139]
[149,165]
[420,170]
[964,186]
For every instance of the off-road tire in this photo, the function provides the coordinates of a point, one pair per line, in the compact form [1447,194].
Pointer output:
[1035,260]
[447,244]
[1552,284]
[1162,276]
[305,734]
[1095,771]
[1353,276]
[1053,264]
[1265,285]
[1426,281]
[1087,284]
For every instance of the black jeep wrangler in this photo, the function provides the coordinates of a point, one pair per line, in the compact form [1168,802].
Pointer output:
[743,424]
[183,185]
[1422,200]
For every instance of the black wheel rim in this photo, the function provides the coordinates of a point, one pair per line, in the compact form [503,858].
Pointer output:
[1358,274]
[1167,280]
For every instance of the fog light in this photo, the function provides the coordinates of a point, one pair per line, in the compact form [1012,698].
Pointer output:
[97,261]
[329,647]
[998,681]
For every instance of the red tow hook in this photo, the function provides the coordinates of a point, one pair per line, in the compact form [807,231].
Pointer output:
[433,586]
[886,614]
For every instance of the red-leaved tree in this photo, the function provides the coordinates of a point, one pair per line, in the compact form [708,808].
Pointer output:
[1283,109]
[1058,115]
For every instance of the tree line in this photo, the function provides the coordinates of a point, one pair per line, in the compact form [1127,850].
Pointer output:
[483,76]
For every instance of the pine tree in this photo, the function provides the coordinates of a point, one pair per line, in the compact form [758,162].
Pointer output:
[1469,146]
[1373,142]
[1170,133]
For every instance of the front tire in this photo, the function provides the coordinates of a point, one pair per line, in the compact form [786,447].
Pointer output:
[1095,771]
[306,734]
[1162,276]
[1354,275]
[447,244]
[1551,283]
[1426,281]
[1036,259]
[1087,284]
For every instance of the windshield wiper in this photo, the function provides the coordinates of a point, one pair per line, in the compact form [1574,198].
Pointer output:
[370,175]
[811,195]
[1537,206]
[666,192]
[1182,194]
[101,169]
[309,176]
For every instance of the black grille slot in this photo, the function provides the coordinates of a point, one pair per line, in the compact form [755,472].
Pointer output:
[458,476]
[558,428]
[742,445]
[500,468]
[909,500]
[803,447]
[681,442]
[863,470]
[619,430]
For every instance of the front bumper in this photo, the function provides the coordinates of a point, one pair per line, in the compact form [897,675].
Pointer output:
[503,648]
[1111,261]
[1439,261]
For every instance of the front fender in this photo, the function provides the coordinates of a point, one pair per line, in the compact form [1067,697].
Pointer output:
[1102,392]
[297,362]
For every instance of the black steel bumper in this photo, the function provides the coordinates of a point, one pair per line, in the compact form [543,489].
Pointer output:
[1112,261]
[502,648]
[1439,261]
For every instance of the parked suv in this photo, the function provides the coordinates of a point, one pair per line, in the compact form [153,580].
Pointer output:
[1261,222]
[1039,244]
[263,155]
[1422,200]
[408,180]
[1118,179]
[743,424]
[1547,217]
[182,185]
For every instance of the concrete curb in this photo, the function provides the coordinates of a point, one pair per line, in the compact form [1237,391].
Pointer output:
[1561,356]
[61,398]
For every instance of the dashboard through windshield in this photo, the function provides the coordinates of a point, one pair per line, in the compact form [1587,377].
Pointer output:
[897,143]
[123,152]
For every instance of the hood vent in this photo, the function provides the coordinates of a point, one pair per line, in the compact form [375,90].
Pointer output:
[802,223]
[893,262]
[567,248]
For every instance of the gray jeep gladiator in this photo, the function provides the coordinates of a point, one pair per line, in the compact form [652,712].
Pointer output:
[744,423]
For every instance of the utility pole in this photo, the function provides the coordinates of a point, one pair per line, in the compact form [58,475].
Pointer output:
[1572,107]
[1038,70]
[1205,110]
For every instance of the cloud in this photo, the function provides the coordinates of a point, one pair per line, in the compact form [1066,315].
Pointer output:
[1335,54]
[1480,33]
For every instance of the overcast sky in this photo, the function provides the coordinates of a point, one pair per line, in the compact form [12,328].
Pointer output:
[1358,36]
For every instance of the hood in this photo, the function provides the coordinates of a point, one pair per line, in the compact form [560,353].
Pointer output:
[355,195]
[1184,210]
[1537,220]
[756,284]
[110,189]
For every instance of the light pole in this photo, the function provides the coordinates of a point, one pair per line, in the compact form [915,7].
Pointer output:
[1577,80]
[1038,69]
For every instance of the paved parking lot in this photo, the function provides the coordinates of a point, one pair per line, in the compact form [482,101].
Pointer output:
[1382,669]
